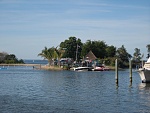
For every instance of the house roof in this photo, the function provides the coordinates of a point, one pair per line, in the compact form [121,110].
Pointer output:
[90,56]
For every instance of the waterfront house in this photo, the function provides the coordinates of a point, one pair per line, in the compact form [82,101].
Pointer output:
[90,57]
[87,60]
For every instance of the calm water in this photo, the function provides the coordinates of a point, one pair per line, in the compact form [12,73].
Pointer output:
[24,90]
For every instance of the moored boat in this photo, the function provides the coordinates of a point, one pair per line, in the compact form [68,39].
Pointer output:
[83,69]
[145,72]
[97,68]
[101,68]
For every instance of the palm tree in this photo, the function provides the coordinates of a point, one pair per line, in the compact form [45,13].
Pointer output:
[137,55]
[47,54]
[59,52]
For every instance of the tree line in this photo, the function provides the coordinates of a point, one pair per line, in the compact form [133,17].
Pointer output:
[75,49]
[9,58]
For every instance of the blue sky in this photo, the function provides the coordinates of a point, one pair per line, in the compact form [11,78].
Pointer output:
[27,26]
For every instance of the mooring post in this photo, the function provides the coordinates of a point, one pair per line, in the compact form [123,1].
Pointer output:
[40,66]
[116,71]
[130,70]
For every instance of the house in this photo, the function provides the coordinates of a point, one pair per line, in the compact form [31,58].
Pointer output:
[90,56]
[87,60]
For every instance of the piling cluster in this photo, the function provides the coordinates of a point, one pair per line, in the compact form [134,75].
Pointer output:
[116,72]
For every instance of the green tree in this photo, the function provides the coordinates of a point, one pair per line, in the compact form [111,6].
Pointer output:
[110,51]
[148,50]
[72,47]
[48,54]
[2,56]
[9,59]
[97,47]
[137,55]
[86,47]
[59,53]
[123,56]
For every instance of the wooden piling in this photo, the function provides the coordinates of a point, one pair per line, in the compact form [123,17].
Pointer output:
[40,66]
[116,71]
[130,70]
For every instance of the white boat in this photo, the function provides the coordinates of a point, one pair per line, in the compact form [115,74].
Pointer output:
[145,72]
[83,69]
[97,68]
[101,68]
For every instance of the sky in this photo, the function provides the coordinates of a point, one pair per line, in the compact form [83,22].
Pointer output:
[27,26]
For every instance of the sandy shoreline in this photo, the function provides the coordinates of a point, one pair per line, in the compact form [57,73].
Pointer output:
[36,66]
[54,68]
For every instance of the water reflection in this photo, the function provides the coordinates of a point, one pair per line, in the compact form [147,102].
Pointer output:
[144,86]
[144,94]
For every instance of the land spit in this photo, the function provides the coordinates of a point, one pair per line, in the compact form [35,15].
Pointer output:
[35,66]
[20,64]
[45,67]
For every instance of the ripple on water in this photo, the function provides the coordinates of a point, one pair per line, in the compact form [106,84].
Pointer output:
[23,89]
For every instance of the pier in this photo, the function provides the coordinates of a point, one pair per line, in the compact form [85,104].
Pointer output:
[116,72]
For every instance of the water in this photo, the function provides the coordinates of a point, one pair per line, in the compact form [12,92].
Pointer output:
[43,62]
[24,90]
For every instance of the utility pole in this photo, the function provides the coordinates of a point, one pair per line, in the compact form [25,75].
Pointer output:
[77,53]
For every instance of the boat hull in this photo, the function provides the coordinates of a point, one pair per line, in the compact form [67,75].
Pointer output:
[145,75]
[83,69]
[100,69]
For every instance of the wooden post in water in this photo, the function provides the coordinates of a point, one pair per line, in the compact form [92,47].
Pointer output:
[40,66]
[130,70]
[116,71]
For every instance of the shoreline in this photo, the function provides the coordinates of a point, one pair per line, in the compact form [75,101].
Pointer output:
[20,64]
[45,67]
[52,68]
[36,66]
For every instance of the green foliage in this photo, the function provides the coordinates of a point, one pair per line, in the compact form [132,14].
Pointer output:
[59,53]
[74,48]
[48,54]
[123,56]
[148,48]
[71,46]
[136,60]
[10,59]
[51,53]
[137,55]
[97,47]
[109,61]
[110,51]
